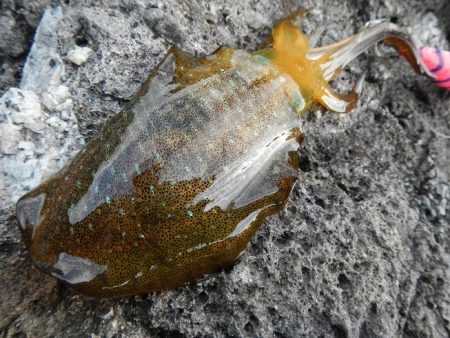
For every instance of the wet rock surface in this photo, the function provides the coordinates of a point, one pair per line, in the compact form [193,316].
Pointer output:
[362,248]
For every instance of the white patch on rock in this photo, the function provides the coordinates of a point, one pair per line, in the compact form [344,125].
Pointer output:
[57,98]
[79,55]
[38,126]
[44,67]
[26,108]
[242,276]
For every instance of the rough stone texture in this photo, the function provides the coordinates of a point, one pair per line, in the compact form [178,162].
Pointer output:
[18,21]
[37,122]
[362,249]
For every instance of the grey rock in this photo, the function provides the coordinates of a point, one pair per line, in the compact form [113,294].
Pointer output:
[13,42]
[79,55]
[37,123]
[362,248]
[18,22]
[43,67]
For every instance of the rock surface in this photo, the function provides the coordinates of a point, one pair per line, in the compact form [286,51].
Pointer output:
[38,124]
[362,249]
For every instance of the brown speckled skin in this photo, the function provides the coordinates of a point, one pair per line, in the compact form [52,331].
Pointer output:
[176,184]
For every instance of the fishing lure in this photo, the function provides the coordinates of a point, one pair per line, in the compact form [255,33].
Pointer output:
[176,184]
[438,63]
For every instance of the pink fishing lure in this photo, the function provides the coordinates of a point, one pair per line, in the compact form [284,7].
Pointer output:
[438,62]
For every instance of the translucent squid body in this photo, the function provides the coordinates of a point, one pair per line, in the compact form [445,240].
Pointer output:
[176,184]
